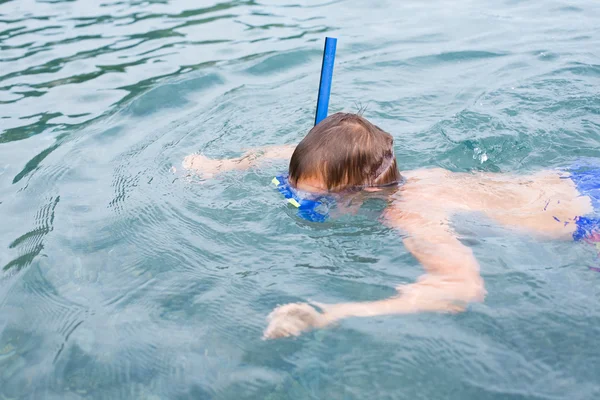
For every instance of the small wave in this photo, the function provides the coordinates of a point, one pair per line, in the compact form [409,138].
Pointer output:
[454,56]
[31,244]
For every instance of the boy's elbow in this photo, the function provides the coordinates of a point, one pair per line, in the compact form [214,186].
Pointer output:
[473,290]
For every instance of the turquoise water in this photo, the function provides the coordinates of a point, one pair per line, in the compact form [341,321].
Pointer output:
[120,279]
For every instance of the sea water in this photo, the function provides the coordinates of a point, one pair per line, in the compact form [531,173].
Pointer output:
[121,277]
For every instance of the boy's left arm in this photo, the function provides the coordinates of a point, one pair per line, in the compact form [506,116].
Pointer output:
[208,167]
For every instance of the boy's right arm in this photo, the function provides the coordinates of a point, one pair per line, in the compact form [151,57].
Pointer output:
[208,167]
[451,281]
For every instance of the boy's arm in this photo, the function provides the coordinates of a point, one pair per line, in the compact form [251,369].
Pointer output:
[451,280]
[209,167]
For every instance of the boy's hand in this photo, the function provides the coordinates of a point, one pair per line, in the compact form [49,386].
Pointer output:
[204,166]
[293,319]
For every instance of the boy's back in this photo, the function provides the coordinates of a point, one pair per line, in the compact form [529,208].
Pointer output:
[544,203]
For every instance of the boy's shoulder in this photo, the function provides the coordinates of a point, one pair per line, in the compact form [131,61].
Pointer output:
[426,173]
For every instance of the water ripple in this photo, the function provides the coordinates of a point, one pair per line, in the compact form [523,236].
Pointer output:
[31,244]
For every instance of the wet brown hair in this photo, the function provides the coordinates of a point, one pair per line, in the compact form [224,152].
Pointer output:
[345,151]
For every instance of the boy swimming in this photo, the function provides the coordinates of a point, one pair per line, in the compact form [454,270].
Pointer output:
[346,153]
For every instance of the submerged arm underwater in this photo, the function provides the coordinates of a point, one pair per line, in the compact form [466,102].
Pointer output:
[451,281]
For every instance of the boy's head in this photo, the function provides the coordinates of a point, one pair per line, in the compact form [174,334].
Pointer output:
[344,151]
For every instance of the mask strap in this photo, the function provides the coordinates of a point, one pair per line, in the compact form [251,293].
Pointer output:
[385,165]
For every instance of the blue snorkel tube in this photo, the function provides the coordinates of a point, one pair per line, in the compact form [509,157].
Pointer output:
[326,78]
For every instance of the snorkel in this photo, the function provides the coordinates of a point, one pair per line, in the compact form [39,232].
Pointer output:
[326,78]
[313,208]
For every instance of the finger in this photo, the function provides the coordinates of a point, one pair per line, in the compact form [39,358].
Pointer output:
[188,161]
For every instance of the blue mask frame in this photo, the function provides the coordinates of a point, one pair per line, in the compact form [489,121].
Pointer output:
[313,209]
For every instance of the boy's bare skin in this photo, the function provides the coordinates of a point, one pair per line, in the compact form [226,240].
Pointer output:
[209,167]
[543,204]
